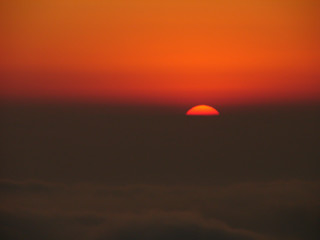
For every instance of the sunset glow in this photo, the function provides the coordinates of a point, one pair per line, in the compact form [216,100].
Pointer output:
[161,52]
[159,119]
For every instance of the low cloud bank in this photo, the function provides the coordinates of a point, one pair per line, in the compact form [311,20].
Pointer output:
[156,226]
[280,210]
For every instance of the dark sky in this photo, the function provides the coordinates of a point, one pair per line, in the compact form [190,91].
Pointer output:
[102,172]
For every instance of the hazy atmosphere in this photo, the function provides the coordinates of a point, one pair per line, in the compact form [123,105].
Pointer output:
[95,143]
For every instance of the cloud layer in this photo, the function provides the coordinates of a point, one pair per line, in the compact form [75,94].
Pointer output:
[270,210]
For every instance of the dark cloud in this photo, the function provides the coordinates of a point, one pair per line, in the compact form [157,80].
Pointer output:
[277,210]
[23,226]
[9,186]
[156,226]
[76,144]
[116,176]
[164,229]
[173,225]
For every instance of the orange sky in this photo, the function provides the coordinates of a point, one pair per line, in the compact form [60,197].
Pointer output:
[161,51]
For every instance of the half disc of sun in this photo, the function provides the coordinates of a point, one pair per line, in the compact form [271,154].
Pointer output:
[202,110]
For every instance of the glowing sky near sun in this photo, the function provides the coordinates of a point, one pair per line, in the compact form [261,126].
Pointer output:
[177,51]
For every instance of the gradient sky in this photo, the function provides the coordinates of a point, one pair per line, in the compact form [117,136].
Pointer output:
[167,52]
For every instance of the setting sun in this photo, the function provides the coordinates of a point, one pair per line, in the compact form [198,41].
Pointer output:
[202,110]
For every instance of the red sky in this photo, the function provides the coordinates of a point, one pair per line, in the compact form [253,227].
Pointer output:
[167,52]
